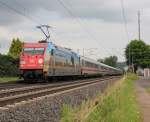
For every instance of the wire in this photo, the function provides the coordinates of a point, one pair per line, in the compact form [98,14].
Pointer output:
[19,12]
[26,11]
[31,18]
[126,28]
[124,19]
[68,10]
[79,22]
[87,32]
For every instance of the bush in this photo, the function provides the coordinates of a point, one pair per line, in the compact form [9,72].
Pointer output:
[8,66]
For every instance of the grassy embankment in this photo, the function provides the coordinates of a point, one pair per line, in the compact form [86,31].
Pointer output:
[8,79]
[118,104]
[148,90]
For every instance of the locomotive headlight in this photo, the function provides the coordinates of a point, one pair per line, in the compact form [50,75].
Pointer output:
[22,62]
[40,61]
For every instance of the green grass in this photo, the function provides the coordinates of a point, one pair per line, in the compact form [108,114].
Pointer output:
[8,79]
[67,114]
[148,90]
[119,105]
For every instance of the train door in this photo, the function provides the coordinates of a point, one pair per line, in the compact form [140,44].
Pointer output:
[73,65]
[52,63]
[46,62]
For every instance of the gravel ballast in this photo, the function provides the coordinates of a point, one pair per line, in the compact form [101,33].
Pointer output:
[48,108]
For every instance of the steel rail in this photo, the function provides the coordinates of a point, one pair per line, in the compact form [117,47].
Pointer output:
[24,89]
[34,94]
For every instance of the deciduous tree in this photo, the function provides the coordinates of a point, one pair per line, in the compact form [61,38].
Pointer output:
[138,53]
[111,61]
[15,48]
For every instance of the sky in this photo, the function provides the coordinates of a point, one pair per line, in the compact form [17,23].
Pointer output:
[95,28]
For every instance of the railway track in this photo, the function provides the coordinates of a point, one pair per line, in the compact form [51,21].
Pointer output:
[11,96]
[4,86]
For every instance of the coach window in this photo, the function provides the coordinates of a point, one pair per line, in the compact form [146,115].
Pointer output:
[72,60]
[52,52]
[82,63]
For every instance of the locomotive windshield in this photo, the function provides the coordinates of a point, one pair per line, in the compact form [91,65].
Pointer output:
[33,51]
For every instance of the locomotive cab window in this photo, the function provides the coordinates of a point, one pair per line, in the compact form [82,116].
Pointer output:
[33,51]
[28,51]
[39,51]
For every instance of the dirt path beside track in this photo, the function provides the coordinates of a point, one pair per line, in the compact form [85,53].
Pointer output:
[143,97]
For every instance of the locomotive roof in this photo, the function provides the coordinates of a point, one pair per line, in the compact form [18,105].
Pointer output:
[65,49]
[89,60]
[96,62]
[30,45]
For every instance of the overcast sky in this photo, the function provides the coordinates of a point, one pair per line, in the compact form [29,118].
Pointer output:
[77,24]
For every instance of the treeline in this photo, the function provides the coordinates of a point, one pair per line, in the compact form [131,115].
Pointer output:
[9,63]
[111,61]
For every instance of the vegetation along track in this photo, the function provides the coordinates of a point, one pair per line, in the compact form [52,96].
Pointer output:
[10,96]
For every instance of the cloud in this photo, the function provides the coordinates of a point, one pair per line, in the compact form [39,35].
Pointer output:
[94,23]
[89,9]
[14,11]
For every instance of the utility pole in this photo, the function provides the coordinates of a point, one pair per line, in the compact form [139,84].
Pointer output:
[132,62]
[139,25]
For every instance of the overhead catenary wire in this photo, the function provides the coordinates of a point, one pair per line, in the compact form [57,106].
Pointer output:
[19,12]
[97,41]
[125,27]
[24,14]
[34,18]
[37,22]
[89,34]
[124,19]
[79,22]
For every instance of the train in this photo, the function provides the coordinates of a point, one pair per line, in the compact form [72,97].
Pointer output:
[45,60]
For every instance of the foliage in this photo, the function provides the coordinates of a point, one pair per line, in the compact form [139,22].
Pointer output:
[111,61]
[15,48]
[119,106]
[138,53]
[67,114]
[101,60]
[148,90]
[8,79]
[121,65]
[8,66]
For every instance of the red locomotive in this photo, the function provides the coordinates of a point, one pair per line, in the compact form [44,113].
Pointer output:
[32,60]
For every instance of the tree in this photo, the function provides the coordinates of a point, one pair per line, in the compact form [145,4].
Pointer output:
[101,60]
[111,61]
[138,54]
[15,48]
